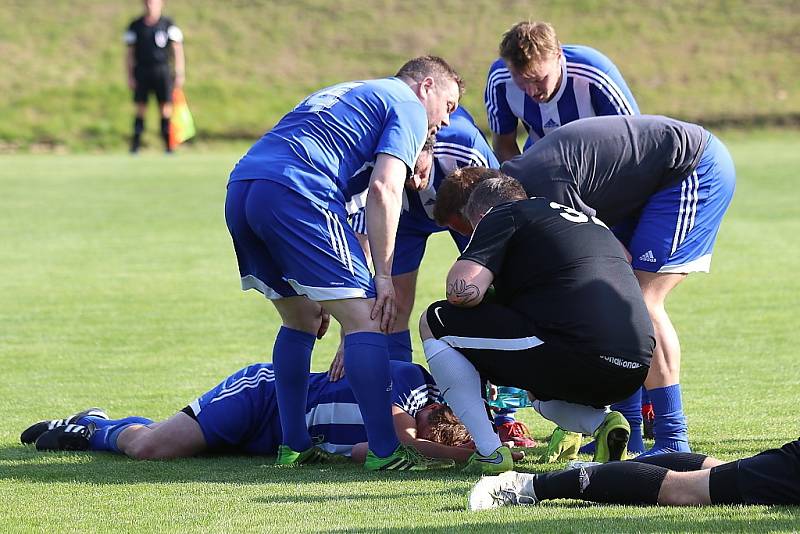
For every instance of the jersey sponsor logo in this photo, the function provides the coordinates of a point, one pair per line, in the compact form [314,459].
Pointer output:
[648,257]
[619,362]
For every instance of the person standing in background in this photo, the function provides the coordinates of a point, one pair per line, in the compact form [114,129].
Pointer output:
[149,40]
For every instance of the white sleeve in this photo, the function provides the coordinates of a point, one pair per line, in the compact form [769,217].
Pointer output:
[175,34]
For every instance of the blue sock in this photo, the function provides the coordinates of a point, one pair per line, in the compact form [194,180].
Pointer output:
[366,364]
[670,423]
[645,396]
[108,430]
[505,415]
[400,346]
[631,408]
[291,361]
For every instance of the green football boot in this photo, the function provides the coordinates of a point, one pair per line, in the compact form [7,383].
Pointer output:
[405,458]
[563,446]
[499,461]
[312,455]
[611,438]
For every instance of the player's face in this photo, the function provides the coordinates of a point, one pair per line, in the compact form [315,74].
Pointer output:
[440,100]
[422,172]
[459,223]
[541,80]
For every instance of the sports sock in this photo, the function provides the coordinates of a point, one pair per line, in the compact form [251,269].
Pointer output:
[506,415]
[291,361]
[675,461]
[108,430]
[400,346]
[571,417]
[631,408]
[645,396]
[614,482]
[138,128]
[670,422]
[366,364]
[165,133]
[460,385]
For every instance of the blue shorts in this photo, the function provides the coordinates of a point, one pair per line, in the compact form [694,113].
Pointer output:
[409,247]
[287,245]
[241,413]
[677,227]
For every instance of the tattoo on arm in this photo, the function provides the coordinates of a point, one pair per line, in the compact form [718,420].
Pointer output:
[462,292]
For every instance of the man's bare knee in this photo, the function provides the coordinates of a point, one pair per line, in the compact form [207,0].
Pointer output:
[685,489]
[424,329]
[145,446]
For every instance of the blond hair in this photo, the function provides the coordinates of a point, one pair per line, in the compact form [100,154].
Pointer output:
[527,43]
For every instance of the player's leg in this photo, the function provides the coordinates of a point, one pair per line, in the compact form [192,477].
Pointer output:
[140,108]
[179,436]
[163,90]
[405,287]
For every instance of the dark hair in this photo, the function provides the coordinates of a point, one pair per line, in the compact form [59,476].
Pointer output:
[437,68]
[489,193]
[453,193]
[445,428]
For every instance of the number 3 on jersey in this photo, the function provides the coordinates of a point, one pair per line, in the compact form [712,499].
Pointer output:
[573,215]
[325,98]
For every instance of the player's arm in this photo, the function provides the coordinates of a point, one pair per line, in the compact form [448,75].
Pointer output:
[129,65]
[467,283]
[180,64]
[384,203]
[505,146]
[406,428]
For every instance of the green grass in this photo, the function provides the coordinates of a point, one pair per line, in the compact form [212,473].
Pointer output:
[118,288]
[248,63]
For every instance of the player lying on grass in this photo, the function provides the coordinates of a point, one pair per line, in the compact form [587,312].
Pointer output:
[240,415]
[675,479]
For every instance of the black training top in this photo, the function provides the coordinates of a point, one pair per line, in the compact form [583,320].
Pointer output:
[609,166]
[151,43]
[568,274]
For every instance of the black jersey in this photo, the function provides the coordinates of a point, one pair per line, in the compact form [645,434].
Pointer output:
[152,43]
[609,166]
[567,273]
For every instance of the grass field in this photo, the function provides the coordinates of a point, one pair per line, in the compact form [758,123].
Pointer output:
[118,288]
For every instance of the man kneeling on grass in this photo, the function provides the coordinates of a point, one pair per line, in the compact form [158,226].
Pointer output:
[675,479]
[240,416]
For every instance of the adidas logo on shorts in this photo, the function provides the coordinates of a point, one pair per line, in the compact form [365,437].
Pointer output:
[648,257]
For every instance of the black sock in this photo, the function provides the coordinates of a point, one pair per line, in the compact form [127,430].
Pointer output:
[723,484]
[165,132]
[614,482]
[675,461]
[138,128]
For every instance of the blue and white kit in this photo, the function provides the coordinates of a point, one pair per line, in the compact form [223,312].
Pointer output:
[591,85]
[287,196]
[241,413]
[461,144]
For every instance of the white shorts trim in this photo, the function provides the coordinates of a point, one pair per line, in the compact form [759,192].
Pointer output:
[251,282]
[701,264]
[521,343]
[319,294]
[195,406]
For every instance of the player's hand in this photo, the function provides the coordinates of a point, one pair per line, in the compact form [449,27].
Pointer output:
[326,322]
[385,308]
[518,455]
[336,371]
[179,80]
[492,392]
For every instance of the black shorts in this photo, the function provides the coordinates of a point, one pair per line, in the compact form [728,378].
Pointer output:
[506,350]
[157,80]
[772,477]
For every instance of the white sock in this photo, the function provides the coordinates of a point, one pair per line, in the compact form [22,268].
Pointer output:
[460,385]
[572,417]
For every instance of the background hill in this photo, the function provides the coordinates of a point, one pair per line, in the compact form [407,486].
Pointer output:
[63,84]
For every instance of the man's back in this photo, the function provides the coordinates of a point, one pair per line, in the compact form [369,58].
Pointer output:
[567,274]
[609,165]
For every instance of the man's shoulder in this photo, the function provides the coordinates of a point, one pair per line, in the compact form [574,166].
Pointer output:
[581,55]
[136,23]
[498,72]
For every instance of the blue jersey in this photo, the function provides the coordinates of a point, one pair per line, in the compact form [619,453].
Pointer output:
[591,85]
[241,413]
[318,147]
[461,144]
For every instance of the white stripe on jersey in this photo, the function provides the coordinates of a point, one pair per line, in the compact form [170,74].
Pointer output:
[416,399]
[358,221]
[498,77]
[449,155]
[246,382]
[334,413]
[521,343]
[603,82]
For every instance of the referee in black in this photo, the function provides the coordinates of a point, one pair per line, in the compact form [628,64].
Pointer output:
[151,39]
[567,320]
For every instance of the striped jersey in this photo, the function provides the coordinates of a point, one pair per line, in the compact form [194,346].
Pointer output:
[331,136]
[591,85]
[461,144]
[332,414]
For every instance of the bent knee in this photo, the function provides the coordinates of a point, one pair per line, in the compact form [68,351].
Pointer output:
[146,448]
[424,329]
[684,489]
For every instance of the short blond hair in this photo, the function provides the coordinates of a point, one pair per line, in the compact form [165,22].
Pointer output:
[527,43]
